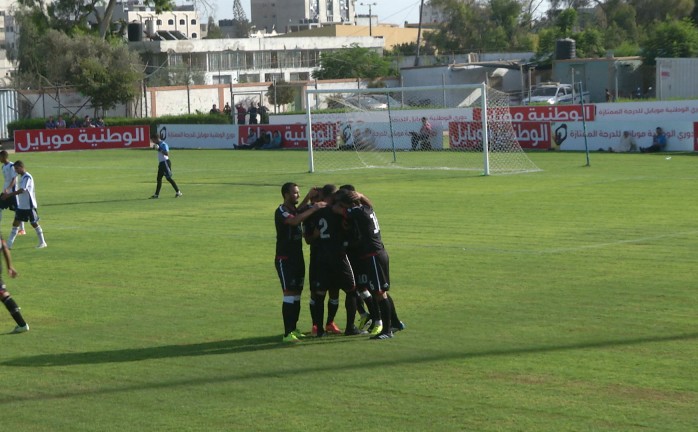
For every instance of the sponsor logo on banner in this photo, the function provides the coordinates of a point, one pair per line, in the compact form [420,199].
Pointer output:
[530,135]
[39,140]
[294,136]
[554,113]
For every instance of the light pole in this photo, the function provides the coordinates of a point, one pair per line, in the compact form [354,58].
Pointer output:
[370,16]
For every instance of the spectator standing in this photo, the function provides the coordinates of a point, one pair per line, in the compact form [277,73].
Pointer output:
[60,123]
[240,112]
[214,110]
[50,123]
[227,110]
[263,114]
[252,111]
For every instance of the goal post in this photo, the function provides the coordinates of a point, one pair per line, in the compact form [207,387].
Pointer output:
[427,127]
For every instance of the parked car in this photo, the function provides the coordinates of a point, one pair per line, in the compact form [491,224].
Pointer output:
[555,93]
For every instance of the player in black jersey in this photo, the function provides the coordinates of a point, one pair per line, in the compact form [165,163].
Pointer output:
[330,268]
[309,226]
[289,261]
[372,267]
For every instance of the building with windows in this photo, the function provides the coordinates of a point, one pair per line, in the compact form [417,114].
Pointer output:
[224,61]
[144,23]
[286,15]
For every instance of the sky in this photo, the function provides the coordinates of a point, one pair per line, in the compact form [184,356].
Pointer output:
[388,11]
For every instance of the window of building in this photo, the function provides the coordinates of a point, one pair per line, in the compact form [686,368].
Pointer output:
[194,36]
[158,22]
[193,22]
[182,22]
[170,22]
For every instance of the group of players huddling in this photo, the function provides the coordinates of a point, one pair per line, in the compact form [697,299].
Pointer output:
[346,253]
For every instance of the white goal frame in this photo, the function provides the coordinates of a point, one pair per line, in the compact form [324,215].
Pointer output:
[478,93]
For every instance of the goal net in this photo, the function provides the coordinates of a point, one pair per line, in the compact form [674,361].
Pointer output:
[431,127]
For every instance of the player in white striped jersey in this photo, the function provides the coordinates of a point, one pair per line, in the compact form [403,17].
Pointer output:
[26,206]
[9,175]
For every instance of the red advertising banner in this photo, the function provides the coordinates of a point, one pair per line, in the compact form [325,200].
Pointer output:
[530,135]
[540,113]
[695,136]
[40,140]
[293,136]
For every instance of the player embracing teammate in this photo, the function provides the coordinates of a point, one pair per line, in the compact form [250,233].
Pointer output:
[347,253]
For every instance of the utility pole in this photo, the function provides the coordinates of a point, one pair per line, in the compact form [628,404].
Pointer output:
[370,16]
[419,32]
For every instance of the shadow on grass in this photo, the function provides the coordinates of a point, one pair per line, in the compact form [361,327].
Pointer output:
[265,343]
[160,352]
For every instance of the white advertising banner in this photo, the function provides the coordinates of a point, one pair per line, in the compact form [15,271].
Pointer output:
[199,136]
[605,134]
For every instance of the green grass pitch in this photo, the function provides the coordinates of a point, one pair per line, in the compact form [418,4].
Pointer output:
[562,300]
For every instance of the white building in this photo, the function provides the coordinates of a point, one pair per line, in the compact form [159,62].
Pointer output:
[287,15]
[263,59]
[8,40]
[182,23]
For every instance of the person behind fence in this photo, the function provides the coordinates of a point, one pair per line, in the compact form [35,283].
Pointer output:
[50,123]
[422,139]
[252,111]
[241,112]
[60,123]
[214,110]
[658,142]
[227,110]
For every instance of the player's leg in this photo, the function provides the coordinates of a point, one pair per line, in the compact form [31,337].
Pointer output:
[158,179]
[34,221]
[15,228]
[285,271]
[332,308]
[14,310]
[168,176]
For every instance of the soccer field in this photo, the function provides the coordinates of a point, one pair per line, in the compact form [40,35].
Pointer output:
[561,300]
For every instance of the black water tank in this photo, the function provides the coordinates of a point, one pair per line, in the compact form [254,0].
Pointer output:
[565,49]
[135,32]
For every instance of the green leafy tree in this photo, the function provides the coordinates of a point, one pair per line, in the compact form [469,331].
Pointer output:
[214,32]
[590,43]
[70,16]
[651,11]
[353,62]
[281,93]
[671,39]
[105,72]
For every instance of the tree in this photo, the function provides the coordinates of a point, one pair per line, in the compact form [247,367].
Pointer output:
[214,32]
[106,72]
[353,62]
[650,11]
[281,93]
[70,16]
[671,39]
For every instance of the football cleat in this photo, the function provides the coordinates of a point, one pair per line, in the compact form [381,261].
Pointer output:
[365,321]
[382,336]
[178,194]
[354,331]
[290,338]
[313,331]
[154,197]
[41,245]
[21,232]
[399,327]
[376,330]
[332,328]
[21,329]
[298,334]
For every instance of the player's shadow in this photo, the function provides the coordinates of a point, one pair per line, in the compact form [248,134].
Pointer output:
[160,352]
